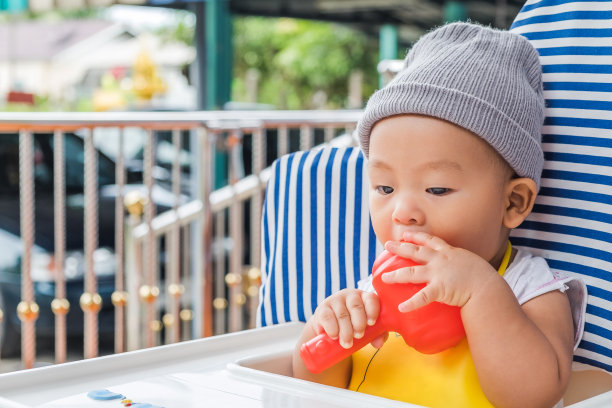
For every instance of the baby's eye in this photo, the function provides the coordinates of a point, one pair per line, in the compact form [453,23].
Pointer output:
[384,190]
[438,190]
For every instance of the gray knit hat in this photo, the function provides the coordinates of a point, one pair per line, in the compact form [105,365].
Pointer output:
[485,80]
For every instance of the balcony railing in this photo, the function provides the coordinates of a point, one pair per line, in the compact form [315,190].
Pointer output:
[192,270]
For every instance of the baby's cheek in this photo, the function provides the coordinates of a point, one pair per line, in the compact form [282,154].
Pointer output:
[382,220]
[464,232]
[382,230]
[483,239]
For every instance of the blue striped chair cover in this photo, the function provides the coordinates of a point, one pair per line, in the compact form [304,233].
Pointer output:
[317,235]
[316,216]
[571,225]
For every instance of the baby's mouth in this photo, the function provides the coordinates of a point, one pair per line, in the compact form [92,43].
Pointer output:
[400,235]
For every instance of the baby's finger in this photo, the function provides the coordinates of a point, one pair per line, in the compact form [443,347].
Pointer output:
[426,240]
[357,312]
[345,326]
[372,306]
[408,274]
[423,297]
[380,340]
[418,253]
[326,322]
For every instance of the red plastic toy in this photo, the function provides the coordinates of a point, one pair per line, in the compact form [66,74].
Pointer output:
[429,329]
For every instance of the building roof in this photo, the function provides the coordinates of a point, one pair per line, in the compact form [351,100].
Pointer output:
[41,40]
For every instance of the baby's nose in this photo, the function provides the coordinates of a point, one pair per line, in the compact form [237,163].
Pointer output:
[408,212]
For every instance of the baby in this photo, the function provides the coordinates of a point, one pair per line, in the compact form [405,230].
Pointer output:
[454,164]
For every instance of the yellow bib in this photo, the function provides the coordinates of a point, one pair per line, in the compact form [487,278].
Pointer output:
[397,371]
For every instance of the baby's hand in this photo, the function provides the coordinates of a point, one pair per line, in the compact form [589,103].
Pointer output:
[452,274]
[346,314]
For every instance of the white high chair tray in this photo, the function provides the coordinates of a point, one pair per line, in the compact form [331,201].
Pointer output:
[207,372]
[242,369]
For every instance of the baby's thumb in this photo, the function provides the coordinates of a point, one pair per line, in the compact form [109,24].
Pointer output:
[380,340]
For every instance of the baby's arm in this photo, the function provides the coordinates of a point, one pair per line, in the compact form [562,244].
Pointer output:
[343,315]
[522,354]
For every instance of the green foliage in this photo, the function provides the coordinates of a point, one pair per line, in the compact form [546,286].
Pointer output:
[182,31]
[297,58]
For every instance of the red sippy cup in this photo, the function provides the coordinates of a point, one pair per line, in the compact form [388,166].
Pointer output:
[429,329]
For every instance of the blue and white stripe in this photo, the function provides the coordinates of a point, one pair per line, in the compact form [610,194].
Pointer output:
[316,231]
[571,224]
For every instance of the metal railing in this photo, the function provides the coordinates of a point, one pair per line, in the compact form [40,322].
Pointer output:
[190,271]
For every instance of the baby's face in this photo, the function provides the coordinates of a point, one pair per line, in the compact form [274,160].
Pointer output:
[429,175]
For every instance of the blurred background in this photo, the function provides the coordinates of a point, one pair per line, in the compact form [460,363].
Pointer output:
[96,55]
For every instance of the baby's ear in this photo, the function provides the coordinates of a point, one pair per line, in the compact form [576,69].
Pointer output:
[520,197]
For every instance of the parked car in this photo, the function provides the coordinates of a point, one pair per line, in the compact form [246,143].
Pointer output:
[43,262]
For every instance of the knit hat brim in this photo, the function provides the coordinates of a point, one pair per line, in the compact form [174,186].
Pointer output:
[457,107]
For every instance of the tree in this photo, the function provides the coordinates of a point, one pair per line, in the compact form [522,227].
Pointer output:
[297,58]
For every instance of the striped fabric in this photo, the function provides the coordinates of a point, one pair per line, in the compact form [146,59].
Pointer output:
[572,221]
[317,235]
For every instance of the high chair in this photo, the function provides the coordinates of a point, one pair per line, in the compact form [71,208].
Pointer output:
[317,236]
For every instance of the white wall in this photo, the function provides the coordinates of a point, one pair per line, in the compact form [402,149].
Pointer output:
[27,76]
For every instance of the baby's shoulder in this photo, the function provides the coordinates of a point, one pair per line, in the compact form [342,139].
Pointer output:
[529,276]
